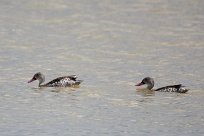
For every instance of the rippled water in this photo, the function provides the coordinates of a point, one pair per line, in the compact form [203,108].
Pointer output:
[111,45]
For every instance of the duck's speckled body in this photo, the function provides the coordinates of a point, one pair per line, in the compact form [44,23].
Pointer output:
[172,88]
[65,81]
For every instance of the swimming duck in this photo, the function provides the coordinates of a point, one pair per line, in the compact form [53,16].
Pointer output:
[172,88]
[65,81]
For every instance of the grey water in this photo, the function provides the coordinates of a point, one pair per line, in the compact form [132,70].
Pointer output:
[111,45]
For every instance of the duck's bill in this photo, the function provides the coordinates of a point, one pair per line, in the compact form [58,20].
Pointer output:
[139,84]
[33,79]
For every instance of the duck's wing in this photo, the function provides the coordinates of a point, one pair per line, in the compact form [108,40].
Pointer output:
[173,88]
[54,82]
[64,81]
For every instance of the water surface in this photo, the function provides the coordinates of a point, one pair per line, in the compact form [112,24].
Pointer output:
[111,45]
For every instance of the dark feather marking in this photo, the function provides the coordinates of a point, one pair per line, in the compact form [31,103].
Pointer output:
[177,87]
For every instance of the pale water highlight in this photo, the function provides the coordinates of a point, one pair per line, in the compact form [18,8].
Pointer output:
[111,45]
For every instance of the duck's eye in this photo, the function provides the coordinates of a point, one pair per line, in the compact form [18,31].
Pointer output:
[36,76]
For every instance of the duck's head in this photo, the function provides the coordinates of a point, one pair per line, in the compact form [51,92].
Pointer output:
[148,81]
[38,76]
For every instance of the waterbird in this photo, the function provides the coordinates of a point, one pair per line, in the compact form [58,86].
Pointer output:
[179,88]
[65,81]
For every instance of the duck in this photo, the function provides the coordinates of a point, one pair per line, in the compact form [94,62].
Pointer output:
[178,88]
[65,81]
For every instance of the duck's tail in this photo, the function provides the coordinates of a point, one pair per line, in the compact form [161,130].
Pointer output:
[182,89]
[78,82]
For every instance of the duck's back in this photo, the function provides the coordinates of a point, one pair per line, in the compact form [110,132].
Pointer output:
[65,81]
[173,88]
